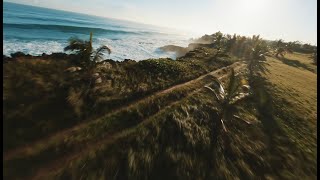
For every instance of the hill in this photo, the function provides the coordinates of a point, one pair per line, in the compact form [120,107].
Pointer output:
[154,119]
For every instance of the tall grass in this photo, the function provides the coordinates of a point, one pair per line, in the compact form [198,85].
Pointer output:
[41,98]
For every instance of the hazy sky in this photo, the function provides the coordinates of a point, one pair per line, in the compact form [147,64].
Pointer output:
[272,19]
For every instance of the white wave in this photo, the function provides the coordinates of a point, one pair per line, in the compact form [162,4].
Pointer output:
[32,47]
[136,48]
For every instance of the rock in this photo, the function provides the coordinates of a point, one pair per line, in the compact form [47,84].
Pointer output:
[59,55]
[180,51]
[73,69]
[98,81]
[17,54]
[206,39]
[128,61]
[96,75]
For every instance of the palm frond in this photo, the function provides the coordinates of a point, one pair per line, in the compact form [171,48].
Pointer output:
[238,98]
[76,44]
[238,117]
[233,84]
[218,96]
[217,84]
[98,54]
[223,126]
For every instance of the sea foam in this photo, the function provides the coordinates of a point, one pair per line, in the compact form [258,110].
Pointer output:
[136,48]
[34,30]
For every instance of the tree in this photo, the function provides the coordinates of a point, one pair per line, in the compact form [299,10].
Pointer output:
[87,57]
[255,40]
[241,46]
[229,100]
[230,42]
[217,40]
[256,59]
[282,48]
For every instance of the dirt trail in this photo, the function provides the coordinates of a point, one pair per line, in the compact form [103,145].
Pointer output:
[109,139]
[60,163]
[27,150]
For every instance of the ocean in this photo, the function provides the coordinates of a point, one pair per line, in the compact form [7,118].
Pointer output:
[34,30]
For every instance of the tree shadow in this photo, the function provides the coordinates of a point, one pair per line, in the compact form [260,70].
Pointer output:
[295,63]
[263,101]
[277,137]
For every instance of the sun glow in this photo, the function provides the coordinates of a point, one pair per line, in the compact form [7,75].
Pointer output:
[252,6]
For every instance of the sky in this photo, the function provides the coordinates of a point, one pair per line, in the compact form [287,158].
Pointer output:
[273,19]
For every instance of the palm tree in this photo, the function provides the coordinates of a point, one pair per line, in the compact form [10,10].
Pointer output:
[87,57]
[255,40]
[228,101]
[282,48]
[280,51]
[256,59]
[241,43]
[230,42]
[218,40]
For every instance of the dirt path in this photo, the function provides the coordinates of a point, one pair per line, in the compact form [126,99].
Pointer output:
[109,139]
[63,159]
[62,162]
[28,149]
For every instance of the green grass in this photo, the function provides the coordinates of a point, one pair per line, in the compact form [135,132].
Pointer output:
[40,98]
[294,92]
[171,135]
[96,130]
[182,142]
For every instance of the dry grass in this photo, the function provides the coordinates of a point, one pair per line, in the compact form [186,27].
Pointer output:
[297,86]
[68,143]
[294,92]
[175,136]
[300,61]
[182,142]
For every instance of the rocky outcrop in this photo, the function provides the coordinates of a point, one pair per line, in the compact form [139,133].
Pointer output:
[182,51]
[19,54]
[206,39]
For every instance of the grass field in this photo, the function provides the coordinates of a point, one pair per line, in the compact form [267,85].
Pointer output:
[294,91]
[173,134]
[287,151]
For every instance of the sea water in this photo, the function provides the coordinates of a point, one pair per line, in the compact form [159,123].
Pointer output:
[35,30]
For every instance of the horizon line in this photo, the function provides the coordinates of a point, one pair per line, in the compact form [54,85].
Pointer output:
[157,26]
